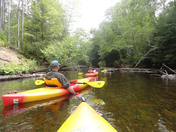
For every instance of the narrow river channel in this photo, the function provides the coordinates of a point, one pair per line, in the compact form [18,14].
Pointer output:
[134,102]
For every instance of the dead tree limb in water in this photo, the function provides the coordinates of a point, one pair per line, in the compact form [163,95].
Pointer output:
[145,55]
[169,68]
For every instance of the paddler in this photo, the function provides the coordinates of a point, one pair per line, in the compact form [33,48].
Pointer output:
[91,70]
[60,77]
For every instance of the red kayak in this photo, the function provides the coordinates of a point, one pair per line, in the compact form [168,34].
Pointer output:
[53,103]
[91,74]
[43,93]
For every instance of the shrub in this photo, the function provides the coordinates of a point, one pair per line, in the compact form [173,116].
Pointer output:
[17,68]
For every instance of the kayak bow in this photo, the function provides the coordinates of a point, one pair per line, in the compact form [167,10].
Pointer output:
[85,119]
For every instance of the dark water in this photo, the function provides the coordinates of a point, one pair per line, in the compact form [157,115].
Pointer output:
[133,102]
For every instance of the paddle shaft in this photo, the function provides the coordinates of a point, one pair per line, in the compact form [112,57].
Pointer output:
[78,83]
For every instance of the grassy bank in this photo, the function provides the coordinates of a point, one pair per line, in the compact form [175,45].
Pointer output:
[11,68]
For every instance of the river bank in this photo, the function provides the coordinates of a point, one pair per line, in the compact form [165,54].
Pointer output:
[20,76]
[40,74]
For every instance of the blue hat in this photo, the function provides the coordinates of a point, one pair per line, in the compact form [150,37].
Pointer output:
[54,63]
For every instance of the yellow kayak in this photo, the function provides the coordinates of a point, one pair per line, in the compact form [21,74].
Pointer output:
[42,93]
[86,119]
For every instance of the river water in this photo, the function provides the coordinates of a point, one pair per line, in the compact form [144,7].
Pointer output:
[132,102]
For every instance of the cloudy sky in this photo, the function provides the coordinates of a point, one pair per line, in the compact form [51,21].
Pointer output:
[90,13]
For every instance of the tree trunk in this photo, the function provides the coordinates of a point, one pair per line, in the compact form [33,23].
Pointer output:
[18,28]
[42,23]
[4,10]
[9,10]
[22,24]
[163,2]
[0,14]
[3,15]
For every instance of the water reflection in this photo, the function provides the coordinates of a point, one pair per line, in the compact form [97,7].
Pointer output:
[12,110]
[132,102]
[53,104]
[35,114]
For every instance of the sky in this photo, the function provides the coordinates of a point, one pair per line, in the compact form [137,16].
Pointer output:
[90,13]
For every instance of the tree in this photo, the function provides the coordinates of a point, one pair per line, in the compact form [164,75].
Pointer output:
[128,31]
[18,30]
[165,37]
[3,10]
[45,24]
[0,13]
[9,11]
[72,49]
[22,23]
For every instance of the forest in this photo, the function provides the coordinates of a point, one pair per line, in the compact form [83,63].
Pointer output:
[135,33]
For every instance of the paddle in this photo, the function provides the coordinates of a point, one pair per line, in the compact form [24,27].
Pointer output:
[104,71]
[39,82]
[80,73]
[95,84]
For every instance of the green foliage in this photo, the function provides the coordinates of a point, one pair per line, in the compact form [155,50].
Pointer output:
[126,35]
[130,31]
[17,68]
[45,24]
[165,37]
[70,50]
[1,42]
[3,39]
[102,63]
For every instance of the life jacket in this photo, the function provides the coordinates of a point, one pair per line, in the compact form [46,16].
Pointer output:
[52,82]
[90,71]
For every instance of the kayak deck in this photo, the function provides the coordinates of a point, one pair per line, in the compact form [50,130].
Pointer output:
[85,119]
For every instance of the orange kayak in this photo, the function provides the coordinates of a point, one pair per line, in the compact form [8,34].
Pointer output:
[86,119]
[91,74]
[42,93]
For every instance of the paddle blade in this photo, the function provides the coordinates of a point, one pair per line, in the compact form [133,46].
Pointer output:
[80,73]
[104,71]
[97,84]
[39,82]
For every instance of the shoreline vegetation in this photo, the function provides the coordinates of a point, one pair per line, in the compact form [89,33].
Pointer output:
[14,65]
[154,72]
[128,38]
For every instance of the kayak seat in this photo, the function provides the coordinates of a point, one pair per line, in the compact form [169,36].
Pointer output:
[53,82]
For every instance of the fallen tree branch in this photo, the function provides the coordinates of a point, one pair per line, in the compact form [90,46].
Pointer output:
[4,59]
[169,68]
[145,55]
[19,76]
